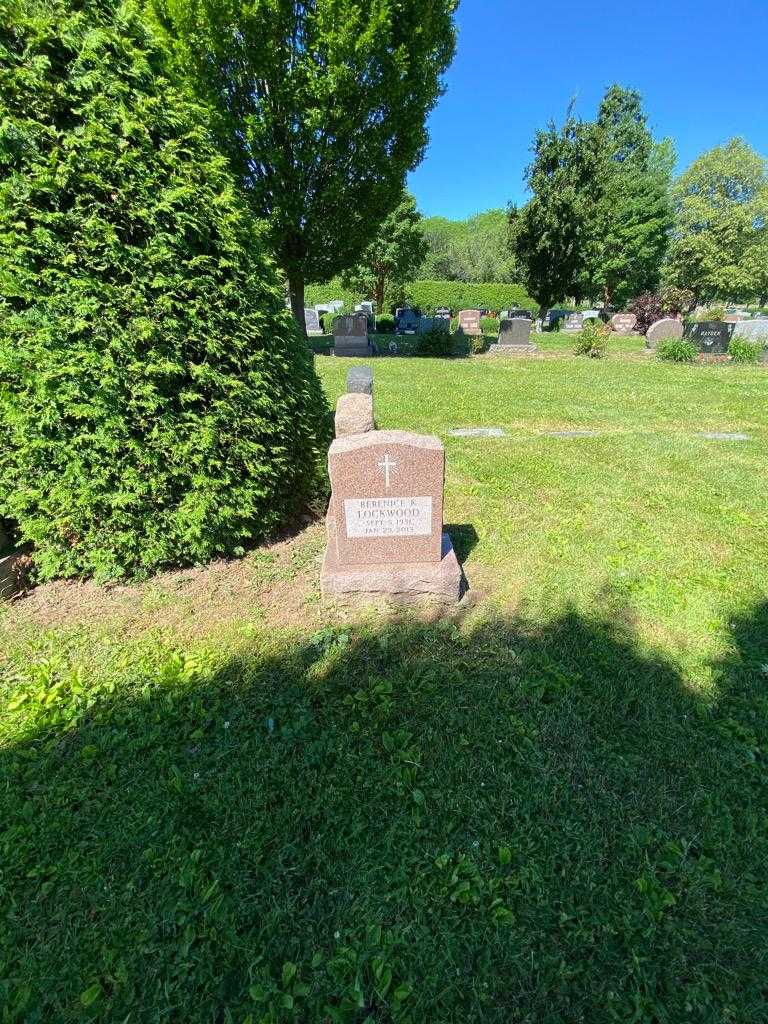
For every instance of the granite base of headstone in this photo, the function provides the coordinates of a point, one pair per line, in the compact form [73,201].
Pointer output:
[385,522]
[663,330]
[350,335]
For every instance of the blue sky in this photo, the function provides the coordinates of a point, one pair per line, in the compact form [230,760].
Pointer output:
[701,67]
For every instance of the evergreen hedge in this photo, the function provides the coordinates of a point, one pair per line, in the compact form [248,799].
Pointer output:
[157,404]
[457,295]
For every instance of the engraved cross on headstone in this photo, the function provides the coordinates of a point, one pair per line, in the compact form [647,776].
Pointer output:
[388,466]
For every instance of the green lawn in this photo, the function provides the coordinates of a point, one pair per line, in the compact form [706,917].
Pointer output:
[220,803]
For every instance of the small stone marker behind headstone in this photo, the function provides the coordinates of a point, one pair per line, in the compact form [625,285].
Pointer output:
[360,380]
[385,521]
[444,312]
[663,330]
[350,335]
[354,414]
[711,337]
[623,323]
[573,323]
[469,323]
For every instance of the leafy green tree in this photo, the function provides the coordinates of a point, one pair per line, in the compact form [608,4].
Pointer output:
[321,106]
[393,256]
[628,224]
[719,246]
[549,233]
[158,405]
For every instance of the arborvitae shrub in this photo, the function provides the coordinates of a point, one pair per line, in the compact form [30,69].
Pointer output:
[157,404]
[385,324]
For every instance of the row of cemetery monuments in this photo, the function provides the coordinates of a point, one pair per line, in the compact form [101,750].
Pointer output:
[711,337]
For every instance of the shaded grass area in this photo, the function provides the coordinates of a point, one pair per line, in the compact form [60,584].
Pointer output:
[550,808]
[402,822]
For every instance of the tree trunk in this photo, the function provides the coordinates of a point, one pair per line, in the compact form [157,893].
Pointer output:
[296,293]
[607,296]
[379,294]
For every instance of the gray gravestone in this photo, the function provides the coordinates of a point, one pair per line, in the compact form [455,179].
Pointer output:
[623,323]
[469,323]
[663,330]
[350,335]
[574,322]
[312,321]
[360,380]
[515,332]
[752,330]
[712,337]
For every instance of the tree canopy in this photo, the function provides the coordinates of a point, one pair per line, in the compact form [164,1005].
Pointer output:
[321,107]
[598,220]
[158,404]
[473,250]
[719,247]
[394,255]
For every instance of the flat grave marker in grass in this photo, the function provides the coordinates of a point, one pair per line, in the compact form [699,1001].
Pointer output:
[715,436]
[478,432]
[385,522]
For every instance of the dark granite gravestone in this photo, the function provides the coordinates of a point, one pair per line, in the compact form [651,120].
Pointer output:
[433,323]
[469,323]
[406,321]
[515,314]
[312,321]
[515,332]
[443,312]
[360,380]
[350,335]
[574,322]
[712,337]
[663,330]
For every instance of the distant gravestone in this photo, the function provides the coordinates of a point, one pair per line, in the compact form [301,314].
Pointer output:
[469,323]
[433,323]
[360,380]
[623,323]
[711,337]
[312,321]
[752,330]
[385,521]
[515,314]
[574,323]
[367,308]
[406,321]
[515,332]
[350,335]
[663,330]
[443,312]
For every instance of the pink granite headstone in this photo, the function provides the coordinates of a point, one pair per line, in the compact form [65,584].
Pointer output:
[663,330]
[469,323]
[623,323]
[385,521]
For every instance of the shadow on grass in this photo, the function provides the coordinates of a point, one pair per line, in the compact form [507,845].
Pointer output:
[402,823]
[464,538]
